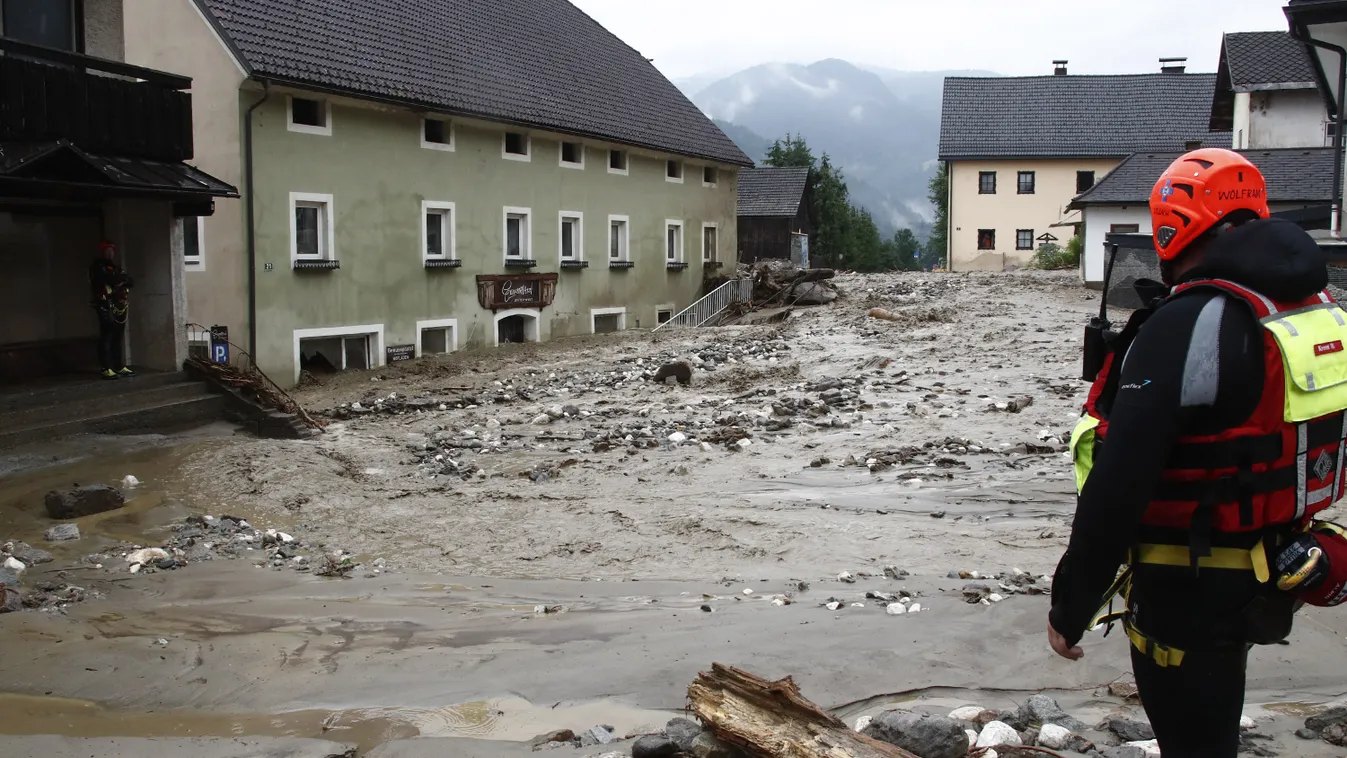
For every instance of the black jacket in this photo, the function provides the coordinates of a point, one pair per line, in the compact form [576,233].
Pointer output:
[1182,375]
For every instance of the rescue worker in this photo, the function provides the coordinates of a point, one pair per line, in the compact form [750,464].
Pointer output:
[1211,437]
[109,287]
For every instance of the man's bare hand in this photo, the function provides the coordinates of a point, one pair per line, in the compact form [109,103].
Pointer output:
[1059,646]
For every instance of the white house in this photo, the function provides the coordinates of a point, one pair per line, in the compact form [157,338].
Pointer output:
[1266,94]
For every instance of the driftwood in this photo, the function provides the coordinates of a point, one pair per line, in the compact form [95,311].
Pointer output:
[773,720]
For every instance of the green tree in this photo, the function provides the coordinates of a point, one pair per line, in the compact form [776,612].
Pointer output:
[832,215]
[937,245]
[792,151]
[904,247]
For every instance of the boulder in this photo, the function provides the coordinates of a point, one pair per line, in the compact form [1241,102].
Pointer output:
[29,554]
[1322,720]
[1130,730]
[655,746]
[10,601]
[1044,710]
[996,734]
[707,745]
[683,732]
[1335,734]
[1053,737]
[927,736]
[597,735]
[61,533]
[83,501]
[813,293]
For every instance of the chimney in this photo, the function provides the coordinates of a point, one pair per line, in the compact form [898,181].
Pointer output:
[1059,68]
[1173,65]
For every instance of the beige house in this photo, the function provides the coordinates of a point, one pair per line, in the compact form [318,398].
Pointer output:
[1020,148]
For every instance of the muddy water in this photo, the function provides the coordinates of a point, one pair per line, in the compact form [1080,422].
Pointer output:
[508,718]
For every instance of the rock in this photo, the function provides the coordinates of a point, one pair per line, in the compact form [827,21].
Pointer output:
[834,605]
[1045,710]
[541,419]
[1029,736]
[1078,744]
[677,438]
[655,746]
[744,444]
[706,447]
[678,370]
[1246,722]
[895,609]
[147,555]
[130,481]
[1123,751]
[15,565]
[976,593]
[966,713]
[1321,721]
[1053,737]
[997,733]
[706,608]
[596,735]
[562,735]
[10,599]
[927,736]
[61,533]
[914,608]
[893,572]
[683,732]
[83,501]
[1129,730]
[707,745]
[29,554]
[863,722]
[813,293]
[1306,733]
[847,577]
[556,412]
[1149,748]
[1335,734]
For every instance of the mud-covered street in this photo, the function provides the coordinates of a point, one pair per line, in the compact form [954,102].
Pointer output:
[541,537]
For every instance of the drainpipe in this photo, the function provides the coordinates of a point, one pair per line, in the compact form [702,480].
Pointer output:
[1298,32]
[250,232]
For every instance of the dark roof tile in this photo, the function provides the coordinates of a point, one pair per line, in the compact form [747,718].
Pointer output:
[1263,60]
[771,191]
[541,63]
[1294,175]
[1074,116]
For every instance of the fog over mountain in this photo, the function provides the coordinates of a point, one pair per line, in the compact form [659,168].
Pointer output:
[880,125]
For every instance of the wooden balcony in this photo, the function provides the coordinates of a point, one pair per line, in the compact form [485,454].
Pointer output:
[102,107]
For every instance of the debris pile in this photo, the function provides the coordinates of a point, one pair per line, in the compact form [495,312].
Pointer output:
[780,282]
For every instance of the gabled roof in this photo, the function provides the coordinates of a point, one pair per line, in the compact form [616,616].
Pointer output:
[64,164]
[534,63]
[1074,116]
[1265,60]
[772,191]
[1294,175]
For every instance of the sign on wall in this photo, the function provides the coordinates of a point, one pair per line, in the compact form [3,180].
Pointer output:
[397,353]
[219,344]
[498,292]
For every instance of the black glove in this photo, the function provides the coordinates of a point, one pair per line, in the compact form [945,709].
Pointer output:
[1301,565]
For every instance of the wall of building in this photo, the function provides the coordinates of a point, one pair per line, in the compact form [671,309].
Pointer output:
[1099,219]
[378,174]
[1007,211]
[143,231]
[103,28]
[173,36]
[44,294]
[1286,118]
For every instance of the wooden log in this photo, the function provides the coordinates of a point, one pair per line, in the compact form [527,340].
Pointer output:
[773,720]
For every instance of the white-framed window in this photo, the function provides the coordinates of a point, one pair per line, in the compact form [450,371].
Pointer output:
[572,236]
[436,336]
[437,134]
[619,238]
[311,227]
[193,242]
[710,176]
[438,239]
[607,320]
[518,234]
[572,155]
[664,313]
[309,115]
[516,146]
[673,172]
[710,241]
[339,347]
[673,241]
[618,162]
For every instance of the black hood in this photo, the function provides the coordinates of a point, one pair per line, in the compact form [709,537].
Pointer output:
[1271,256]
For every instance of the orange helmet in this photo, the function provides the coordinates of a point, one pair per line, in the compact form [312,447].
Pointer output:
[1200,190]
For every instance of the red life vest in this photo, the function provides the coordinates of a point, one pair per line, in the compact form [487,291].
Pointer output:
[1265,472]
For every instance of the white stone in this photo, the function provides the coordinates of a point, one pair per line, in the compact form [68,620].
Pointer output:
[1053,737]
[995,597]
[898,609]
[966,713]
[778,602]
[863,722]
[15,565]
[1245,722]
[972,736]
[834,605]
[858,605]
[492,424]
[744,444]
[541,418]
[748,592]
[706,447]
[678,438]
[146,555]
[998,733]
[130,481]
[444,407]
[1151,747]
[914,608]
[135,568]
[845,576]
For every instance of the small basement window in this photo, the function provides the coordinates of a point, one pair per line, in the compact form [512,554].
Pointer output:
[674,171]
[664,315]
[573,154]
[516,144]
[710,176]
[1124,228]
[437,339]
[986,239]
[617,161]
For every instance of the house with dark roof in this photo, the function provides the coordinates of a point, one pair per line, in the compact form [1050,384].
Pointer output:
[1267,95]
[425,174]
[774,214]
[1321,26]
[1299,181]
[1018,149]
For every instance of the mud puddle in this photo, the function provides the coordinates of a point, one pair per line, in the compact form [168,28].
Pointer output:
[511,719]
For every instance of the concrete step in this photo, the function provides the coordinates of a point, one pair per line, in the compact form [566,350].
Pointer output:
[59,392]
[94,404]
[177,413]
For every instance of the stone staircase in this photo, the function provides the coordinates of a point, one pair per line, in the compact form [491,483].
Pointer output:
[147,403]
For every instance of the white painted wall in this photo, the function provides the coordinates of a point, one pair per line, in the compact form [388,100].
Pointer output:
[1286,118]
[1100,218]
[1239,134]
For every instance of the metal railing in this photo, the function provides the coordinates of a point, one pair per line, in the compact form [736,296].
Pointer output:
[241,373]
[702,311]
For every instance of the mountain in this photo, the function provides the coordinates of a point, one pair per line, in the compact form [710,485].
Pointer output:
[881,126]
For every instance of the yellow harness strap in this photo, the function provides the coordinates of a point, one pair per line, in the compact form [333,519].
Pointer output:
[1163,655]
[1221,557]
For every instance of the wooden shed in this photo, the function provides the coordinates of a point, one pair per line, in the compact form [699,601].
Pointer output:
[773,207]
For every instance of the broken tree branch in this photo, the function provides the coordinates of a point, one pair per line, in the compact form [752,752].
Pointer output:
[773,720]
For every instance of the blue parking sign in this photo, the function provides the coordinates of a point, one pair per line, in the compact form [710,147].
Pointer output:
[220,353]
[219,344]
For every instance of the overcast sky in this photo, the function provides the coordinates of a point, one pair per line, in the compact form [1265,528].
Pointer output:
[687,37]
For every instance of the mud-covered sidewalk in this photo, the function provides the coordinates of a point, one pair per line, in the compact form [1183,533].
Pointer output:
[541,537]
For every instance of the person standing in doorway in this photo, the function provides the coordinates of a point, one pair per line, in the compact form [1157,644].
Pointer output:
[110,287]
